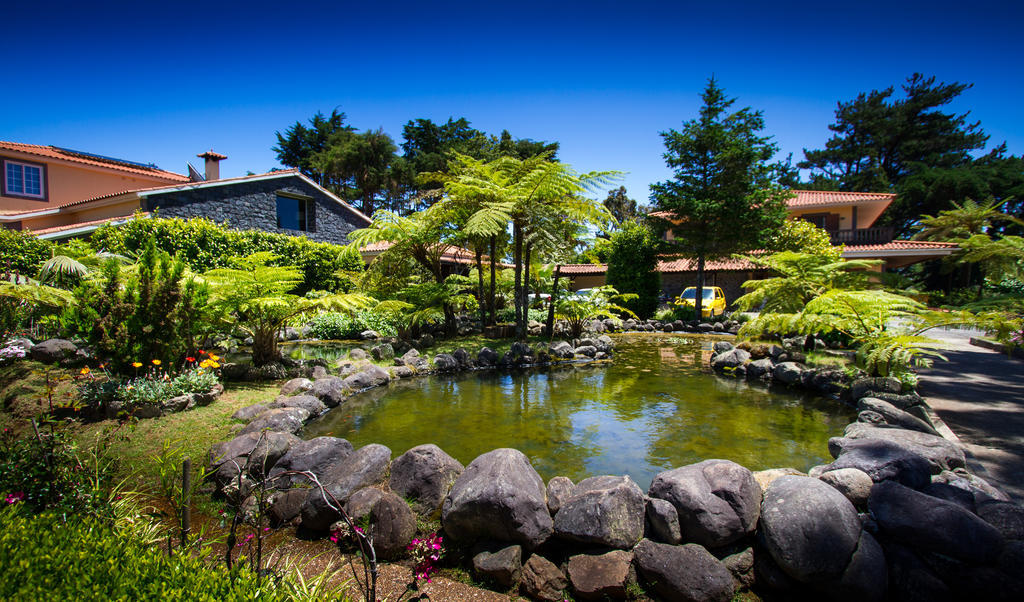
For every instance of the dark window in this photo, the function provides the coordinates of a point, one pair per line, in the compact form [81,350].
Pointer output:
[24,179]
[294,213]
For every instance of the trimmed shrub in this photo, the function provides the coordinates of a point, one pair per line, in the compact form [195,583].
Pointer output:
[631,267]
[44,558]
[23,253]
[204,245]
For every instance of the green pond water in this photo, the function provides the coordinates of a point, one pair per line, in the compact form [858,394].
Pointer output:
[654,408]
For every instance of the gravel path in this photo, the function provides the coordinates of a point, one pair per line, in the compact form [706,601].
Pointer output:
[980,394]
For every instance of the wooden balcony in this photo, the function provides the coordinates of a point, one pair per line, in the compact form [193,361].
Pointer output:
[866,236]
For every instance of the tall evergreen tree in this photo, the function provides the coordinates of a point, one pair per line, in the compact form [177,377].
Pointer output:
[299,144]
[724,197]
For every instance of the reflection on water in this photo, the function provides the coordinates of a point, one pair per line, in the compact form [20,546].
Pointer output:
[653,409]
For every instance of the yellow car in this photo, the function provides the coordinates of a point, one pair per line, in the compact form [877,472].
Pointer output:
[712,303]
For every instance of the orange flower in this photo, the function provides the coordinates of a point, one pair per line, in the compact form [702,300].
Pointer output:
[136,364]
[190,359]
[85,371]
[156,362]
[214,357]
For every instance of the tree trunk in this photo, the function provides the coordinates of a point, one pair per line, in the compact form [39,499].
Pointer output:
[517,243]
[264,346]
[551,303]
[480,285]
[491,301]
[526,286]
[698,303]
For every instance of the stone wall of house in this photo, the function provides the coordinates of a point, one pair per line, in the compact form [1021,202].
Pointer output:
[252,205]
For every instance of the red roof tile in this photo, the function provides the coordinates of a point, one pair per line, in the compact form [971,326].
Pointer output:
[52,152]
[664,266]
[95,222]
[904,245]
[817,198]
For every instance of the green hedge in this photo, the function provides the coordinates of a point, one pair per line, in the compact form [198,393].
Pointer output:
[43,558]
[203,245]
[23,252]
[632,267]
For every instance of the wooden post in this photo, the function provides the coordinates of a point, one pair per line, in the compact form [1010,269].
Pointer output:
[186,495]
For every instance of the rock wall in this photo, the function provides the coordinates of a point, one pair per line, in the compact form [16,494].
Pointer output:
[895,516]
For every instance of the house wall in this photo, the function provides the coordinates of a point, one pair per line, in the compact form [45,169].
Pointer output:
[253,205]
[587,281]
[845,215]
[66,183]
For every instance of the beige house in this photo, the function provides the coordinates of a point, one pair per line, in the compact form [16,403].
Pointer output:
[848,217]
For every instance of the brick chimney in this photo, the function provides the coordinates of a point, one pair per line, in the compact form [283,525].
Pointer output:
[212,164]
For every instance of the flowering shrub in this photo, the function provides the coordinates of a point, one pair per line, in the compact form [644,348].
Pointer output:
[153,387]
[426,553]
[10,353]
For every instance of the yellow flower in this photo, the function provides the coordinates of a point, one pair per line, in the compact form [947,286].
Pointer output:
[214,357]
[205,364]
[214,365]
[136,364]
[156,362]
[85,370]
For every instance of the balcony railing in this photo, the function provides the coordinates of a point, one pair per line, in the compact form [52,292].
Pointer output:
[866,236]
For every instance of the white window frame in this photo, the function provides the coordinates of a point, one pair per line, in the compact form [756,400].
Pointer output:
[28,195]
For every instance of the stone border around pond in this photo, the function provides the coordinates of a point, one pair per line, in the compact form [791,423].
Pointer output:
[896,515]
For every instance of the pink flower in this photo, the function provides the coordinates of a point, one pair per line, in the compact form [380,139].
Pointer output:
[15,497]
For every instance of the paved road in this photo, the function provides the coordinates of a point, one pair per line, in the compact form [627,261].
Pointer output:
[980,394]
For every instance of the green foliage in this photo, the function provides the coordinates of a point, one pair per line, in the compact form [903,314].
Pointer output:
[151,311]
[256,297]
[632,267]
[49,473]
[601,302]
[507,314]
[56,557]
[724,197]
[204,245]
[622,208]
[23,253]
[337,325]
[22,302]
[799,278]
[800,236]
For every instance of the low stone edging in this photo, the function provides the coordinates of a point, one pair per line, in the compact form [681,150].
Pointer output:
[896,515]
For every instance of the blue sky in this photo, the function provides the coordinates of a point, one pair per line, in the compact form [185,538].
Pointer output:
[160,84]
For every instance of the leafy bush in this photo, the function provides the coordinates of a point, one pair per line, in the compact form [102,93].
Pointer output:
[48,473]
[205,245]
[508,314]
[152,313]
[42,557]
[632,267]
[335,325]
[22,252]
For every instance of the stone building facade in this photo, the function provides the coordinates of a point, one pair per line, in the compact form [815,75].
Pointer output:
[258,203]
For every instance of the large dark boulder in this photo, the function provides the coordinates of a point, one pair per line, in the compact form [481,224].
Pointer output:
[53,350]
[315,455]
[863,387]
[382,352]
[606,511]
[424,475]
[392,526]
[730,359]
[759,369]
[559,490]
[718,501]
[687,572]
[486,357]
[663,521]
[927,523]
[370,376]
[444,362]
[543,580]
[296,386]
[504,566]
[311,404]
[265,448]
[882,460]
[561,350]
[895,416]
[866,578]
[788,373]
[249,412]
[331,390]
[810,529]
[364,467]
[499,496]
[601,577]
[281,420]
[941,453]
[910,578]
[1006,517]
[284,506]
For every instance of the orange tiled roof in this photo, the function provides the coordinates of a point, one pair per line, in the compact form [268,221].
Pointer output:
[95,222]
[816,198]
[664,266]
[451,253]
[52,152]
[904,245]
